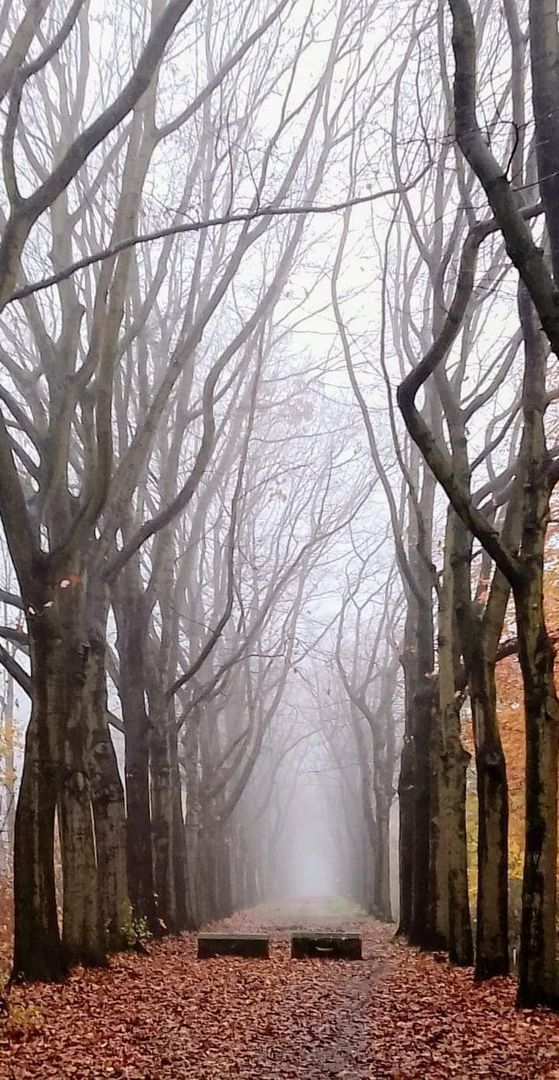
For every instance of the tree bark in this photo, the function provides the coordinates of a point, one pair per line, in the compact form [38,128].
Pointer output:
[492,946]
[129,614]
[538,937]
[538,942]
[405,787]
[67,686]
[423,931]
[108,804]
[184,917]
[454,760]
[162,820]
[38,952]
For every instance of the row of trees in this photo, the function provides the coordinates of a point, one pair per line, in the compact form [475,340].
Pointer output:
[483,433]
[471,345]
[184,473]
[165,494]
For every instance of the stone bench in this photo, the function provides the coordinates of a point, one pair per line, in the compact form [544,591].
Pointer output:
[324,946]
[248,945]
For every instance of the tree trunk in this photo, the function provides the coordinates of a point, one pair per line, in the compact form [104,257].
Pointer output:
[422,931]
[82,930]
[453,762]
[492,946]
[224,874]
[366,823]
[439,839]
[128,608]
[380,724]
[108,805]
[538,941]
[69,688]
[205,870]
[184,918]
[405,795]
[192,824]
[139,849]
[38,950]
[163,820]
[538,934]
[9,775]
[460,945]
[82,933]
[70,757]
[381,879]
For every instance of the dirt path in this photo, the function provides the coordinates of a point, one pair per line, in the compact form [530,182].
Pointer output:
[167,1016]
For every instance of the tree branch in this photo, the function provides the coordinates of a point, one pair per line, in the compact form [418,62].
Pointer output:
[436,457]
[240,217]
[15,670]
[521,247]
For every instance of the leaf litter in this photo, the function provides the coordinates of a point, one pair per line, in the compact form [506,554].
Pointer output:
[398,1015]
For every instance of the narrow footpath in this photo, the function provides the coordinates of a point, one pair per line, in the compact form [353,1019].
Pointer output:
[396,1015]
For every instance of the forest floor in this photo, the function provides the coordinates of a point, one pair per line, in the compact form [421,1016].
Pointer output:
[397,1015]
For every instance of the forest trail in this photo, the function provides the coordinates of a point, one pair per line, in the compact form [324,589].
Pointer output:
[396,1015]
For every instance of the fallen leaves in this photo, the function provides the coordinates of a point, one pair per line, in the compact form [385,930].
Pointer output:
[439,1024]
[397,1015]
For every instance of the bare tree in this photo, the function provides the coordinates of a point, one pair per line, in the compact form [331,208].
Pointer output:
[535,469]
[371,688]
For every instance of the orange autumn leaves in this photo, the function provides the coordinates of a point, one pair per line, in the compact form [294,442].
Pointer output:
[510,703]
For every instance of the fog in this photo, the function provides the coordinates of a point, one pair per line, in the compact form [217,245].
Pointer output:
[277,459]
